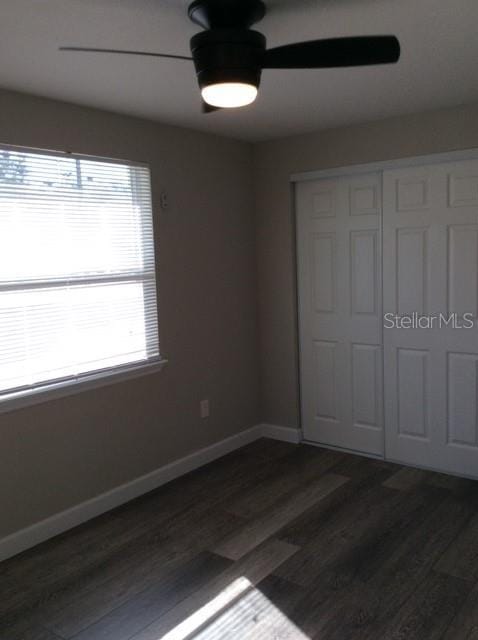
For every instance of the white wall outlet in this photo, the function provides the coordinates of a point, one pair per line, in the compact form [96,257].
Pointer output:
[204,408]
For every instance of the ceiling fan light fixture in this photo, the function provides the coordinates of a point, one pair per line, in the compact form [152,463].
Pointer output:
[228,65]
[229,95]
[229,56]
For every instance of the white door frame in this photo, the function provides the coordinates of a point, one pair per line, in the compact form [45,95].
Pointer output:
[350,170]
[383,165]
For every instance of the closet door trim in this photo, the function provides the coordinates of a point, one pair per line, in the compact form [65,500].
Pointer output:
[384,165]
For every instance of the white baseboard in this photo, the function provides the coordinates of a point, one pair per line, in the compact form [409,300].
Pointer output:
[287,434]
[60,522]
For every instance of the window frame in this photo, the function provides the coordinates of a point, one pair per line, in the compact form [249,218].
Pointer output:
[71,385]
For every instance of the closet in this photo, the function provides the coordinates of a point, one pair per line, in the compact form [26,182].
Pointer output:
[387,284]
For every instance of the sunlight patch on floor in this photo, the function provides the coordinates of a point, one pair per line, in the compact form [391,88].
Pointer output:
[239,611]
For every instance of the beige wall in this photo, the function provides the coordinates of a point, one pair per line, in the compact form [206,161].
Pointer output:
[274,162]
[57,454]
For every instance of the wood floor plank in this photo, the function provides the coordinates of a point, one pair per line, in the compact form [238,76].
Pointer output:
[91,597]
[446,481]
[461,559]
[267,449]
[252,534]
[407,522]
[262,613]
[363,479]
[360,468]
[406,479]
[429,611]
[465,623]
[139,611]
[24,631]
[286,474]
[370,508]
[221,592]
[281,593]
[26,578]
[363,610]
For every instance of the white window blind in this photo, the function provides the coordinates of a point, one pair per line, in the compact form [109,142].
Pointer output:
[77,271]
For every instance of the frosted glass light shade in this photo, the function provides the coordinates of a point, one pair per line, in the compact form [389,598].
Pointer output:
[228,95]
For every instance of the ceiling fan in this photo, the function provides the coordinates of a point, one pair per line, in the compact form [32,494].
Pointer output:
[229,56]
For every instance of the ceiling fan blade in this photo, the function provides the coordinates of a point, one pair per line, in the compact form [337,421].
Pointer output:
[126,52]
[334,52]
[208,108]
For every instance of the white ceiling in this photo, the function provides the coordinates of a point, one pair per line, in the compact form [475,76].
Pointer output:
[438,67]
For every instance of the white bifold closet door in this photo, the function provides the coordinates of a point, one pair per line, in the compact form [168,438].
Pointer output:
[430,267]
[339,262]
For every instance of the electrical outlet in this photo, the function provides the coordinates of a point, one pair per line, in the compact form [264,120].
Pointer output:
[204,408]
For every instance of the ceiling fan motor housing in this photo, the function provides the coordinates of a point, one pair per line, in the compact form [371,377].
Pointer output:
[226,14]
[228,55]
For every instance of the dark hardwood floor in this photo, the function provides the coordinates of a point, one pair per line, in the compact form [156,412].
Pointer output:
[274,541]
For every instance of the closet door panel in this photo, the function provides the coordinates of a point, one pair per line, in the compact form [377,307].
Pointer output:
[430,271]
[339,268]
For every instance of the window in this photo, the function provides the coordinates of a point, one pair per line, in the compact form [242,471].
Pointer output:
[77,272]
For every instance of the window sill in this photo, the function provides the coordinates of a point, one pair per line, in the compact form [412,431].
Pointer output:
[72,387]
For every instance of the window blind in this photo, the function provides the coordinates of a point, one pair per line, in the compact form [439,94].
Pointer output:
[77,269]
